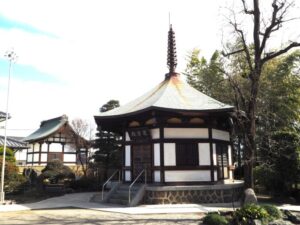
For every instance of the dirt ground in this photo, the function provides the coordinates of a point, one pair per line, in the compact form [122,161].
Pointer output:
[91,217]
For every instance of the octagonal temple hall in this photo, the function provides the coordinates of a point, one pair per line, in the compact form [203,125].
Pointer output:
[178,140]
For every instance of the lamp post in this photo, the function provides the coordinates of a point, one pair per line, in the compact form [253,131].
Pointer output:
[11,56]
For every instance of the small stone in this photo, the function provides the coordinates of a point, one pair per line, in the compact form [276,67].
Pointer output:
[249,197]
[256,222]
[280,222]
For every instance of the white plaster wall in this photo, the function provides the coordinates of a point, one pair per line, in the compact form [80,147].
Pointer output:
[127,175]
[21,154]
[214,154]
[216,175]
[36,147]
[169,154]
[44,147]
[127,155]
[204,154]
[55,147]
[156,154]
[155,133]
[187,176]
[68,148]
[36,157]
[127,138]
[69,158]
[157,176]
[30,148]
[29,159]
[220,135]
[44,157]
[185,132]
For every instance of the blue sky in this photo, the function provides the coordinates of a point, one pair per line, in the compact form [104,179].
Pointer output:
[75,55]
[6,23]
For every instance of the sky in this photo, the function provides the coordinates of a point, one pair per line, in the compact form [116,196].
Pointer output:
[74,56]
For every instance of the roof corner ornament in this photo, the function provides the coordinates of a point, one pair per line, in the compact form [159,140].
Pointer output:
[172,57]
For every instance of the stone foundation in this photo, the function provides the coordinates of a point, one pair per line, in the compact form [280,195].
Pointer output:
[219,193]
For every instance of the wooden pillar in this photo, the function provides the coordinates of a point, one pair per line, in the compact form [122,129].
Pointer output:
[161,147]
[212,176]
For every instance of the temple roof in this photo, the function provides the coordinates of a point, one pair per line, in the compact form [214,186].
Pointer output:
[3,116]
[172,94]
[47,128]
[13,143]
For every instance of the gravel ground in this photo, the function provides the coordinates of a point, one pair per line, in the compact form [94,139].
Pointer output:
[89,217]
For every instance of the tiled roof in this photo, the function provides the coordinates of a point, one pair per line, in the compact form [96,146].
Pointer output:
[3,116]
[47,128]
[171,94]
[13,143]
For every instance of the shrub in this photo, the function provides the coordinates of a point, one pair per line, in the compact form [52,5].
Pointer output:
[250,212]
[84,184]
[9,154]
[214,219]
[273,211]
[56,171]
[15,183]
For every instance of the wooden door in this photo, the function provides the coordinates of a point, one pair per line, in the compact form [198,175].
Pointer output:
[141,159]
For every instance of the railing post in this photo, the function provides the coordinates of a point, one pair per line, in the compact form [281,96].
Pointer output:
[117,171]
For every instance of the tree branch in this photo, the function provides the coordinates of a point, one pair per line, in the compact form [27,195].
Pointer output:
[280,52]
[244,43]
[275,23]
[246,10]
[232,53]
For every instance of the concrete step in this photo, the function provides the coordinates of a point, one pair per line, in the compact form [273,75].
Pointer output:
[126,187]
[97,198]
[126,192]
[118,201]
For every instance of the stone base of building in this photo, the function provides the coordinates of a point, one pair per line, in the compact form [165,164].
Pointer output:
[217,193]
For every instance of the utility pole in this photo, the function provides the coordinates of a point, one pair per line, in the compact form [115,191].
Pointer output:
[11,56]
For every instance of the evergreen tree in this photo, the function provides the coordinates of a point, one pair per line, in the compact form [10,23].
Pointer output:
[109,150]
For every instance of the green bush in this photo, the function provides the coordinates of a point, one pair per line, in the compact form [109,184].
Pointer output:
[214,219]
[15,183]
[84,184]
[250,212]
[273,211]
[56,171]
[9,154]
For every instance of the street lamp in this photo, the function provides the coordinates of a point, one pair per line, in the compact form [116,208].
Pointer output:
[11,56]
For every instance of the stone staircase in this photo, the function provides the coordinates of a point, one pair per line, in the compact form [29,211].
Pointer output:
[119,195]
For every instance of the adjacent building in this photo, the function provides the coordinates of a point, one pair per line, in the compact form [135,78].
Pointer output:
[55,139]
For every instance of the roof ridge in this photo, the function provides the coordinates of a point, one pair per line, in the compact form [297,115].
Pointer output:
[63,117]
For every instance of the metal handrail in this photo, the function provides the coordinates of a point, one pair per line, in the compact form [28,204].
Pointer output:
[117,171]
[135,180]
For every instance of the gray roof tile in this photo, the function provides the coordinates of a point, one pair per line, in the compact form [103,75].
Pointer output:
[47,128]
[171,94]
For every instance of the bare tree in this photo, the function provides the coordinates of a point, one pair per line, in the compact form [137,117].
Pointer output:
[81,131]
[256,54]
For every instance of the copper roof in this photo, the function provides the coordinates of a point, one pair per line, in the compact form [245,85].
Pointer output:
[47,128]
[172,94]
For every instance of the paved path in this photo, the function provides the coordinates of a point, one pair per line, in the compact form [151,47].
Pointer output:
[82,200]
[94,217]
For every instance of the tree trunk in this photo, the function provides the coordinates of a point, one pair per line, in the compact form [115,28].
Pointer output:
[250,145]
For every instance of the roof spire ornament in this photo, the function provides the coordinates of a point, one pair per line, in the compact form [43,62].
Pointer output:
[172,57]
